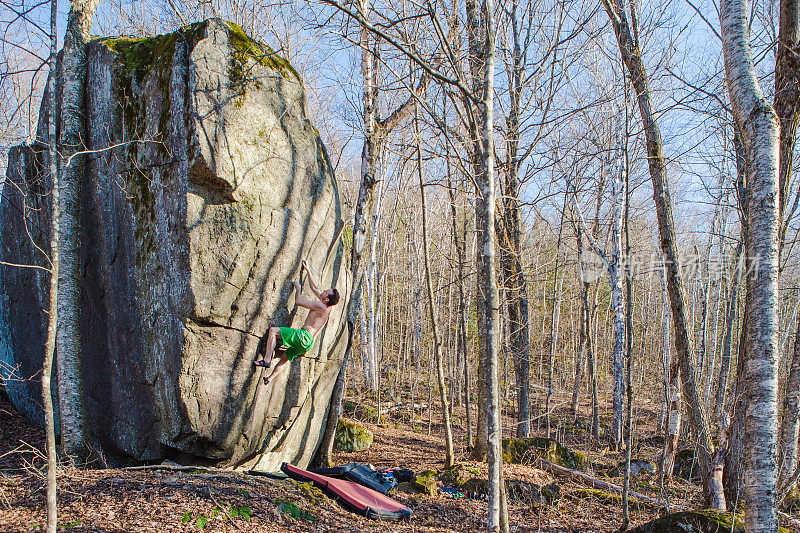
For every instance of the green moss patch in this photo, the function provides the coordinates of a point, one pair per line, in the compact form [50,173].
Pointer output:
[458,475]
[527,451]
[247,49]
[312,493]
[426,482]
[699,521]
[142,55]
[351,437]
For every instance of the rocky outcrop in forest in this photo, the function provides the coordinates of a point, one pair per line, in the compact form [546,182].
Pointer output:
[206,187]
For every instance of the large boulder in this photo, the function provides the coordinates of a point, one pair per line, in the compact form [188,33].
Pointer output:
[208,187]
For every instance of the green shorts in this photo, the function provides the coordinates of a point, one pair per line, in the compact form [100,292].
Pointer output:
[297,341]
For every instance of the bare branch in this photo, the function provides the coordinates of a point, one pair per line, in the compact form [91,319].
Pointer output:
[405,50]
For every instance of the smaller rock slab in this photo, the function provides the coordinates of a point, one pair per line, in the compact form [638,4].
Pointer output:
[350,437]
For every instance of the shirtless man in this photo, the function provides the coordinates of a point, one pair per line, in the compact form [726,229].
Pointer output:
[299,341]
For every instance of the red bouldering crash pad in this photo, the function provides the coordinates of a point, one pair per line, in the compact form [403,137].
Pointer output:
[353,496]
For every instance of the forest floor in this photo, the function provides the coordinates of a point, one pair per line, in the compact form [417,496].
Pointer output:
[167,500]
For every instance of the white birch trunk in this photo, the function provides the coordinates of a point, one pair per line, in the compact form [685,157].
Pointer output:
[52,319]
[490,306]
[370,281]
[618,306]
[759,127]
[70,369]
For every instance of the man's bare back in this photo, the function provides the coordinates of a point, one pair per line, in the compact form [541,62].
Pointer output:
[316,318]
[299,341]
[319,309]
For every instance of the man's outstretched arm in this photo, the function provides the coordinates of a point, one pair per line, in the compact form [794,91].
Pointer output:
[302,302]
[311,282]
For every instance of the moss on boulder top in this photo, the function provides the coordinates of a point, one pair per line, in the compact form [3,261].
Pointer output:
[143,54]
[529,450]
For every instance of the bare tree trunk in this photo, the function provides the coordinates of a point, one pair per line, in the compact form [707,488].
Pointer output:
[727,342]
[583,334]
[631,55]
[416,335]
[626,482]
[787,99]
[734,462]
[458,239]
[594,321]
[482,50]
[791,417]
[375,133]
[716,478]
[70,369]
[760,129]
[510,248]
[718,279]
[488,317]
[325,450]
[516,306]
[368,197]
[671,389]
[52,318]
[628,437]
[554,321]
[437,341]
[787,107]
[371,377]
[615,265]
[592,368]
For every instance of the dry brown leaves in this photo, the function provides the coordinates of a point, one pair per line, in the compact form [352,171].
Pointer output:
[163,500]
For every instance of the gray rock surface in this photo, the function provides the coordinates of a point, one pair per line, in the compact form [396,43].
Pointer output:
[209,186]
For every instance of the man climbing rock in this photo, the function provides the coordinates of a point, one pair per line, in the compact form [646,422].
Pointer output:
[299,341]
